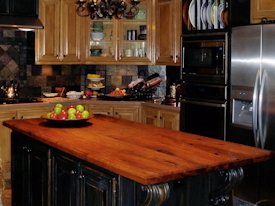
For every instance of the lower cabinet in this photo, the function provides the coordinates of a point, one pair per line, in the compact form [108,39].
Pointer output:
[123,111]
[16,112]
[29,172]
[74,183]
[43,176]
[160,117]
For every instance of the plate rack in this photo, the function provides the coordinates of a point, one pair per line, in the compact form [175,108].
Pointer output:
[205,14]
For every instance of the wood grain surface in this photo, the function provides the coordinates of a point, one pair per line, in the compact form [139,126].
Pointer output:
[143,153]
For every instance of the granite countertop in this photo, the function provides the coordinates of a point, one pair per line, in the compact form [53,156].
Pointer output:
[142,153]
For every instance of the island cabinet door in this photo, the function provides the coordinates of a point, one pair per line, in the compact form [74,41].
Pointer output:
[97,188]
[29,172]
[64,181]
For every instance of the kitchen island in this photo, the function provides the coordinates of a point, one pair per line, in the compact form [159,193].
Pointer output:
[112,161]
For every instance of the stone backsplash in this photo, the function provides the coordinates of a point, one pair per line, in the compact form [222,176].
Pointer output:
[17,63]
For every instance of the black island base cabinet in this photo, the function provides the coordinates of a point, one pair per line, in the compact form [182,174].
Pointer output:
[44,176]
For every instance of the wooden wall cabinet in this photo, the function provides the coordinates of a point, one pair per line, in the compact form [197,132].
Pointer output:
[160,117]
[262,9]
[60,40]
[115,47]
[168,31]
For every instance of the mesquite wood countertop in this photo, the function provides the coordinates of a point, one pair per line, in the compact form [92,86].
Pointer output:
[143,153]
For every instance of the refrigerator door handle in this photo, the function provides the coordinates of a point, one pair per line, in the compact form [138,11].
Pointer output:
[262,136]
[255,110]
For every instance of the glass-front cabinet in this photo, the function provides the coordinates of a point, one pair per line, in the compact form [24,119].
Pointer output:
[127,40]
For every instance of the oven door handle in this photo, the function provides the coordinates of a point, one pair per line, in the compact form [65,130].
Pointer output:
[209,104]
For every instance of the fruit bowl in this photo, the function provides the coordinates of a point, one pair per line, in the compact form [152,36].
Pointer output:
[71,115]
[67,122]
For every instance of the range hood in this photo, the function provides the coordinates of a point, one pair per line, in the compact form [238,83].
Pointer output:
[21,22]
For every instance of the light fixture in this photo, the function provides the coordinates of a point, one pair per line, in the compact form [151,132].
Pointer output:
[107,8]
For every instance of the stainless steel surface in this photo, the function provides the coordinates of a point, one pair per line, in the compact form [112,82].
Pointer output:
[245,55]
[268,101]
[255,110]
[253,71]
[253,66]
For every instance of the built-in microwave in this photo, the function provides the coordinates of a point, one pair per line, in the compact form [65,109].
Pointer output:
[204,58]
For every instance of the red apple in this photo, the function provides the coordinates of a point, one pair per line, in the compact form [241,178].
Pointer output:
[63,115]
[79,115]
[88,92]
[54,116]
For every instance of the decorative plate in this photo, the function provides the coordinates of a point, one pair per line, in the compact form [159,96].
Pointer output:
[208,15]
[95,79]
[185,9]
[48,94]
[203,14]
[214,14]
[96,88]
[191,13]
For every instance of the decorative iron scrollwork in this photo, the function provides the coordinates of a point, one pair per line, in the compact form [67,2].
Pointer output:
[221,195]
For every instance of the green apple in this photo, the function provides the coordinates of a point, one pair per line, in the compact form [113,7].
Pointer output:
[49,115]
[71,116]
[57,110]
[59,105]
[85,114]
[80,108]
[71,111]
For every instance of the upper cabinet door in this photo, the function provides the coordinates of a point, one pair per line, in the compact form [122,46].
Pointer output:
[121,41]
[168,31]
[60,40]
[70,35]
[4,7]
[262,9]
[47,39]
[24,7]
[19,7]
[135,37]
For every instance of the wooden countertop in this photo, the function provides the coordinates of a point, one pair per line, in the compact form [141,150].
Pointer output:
[143,153]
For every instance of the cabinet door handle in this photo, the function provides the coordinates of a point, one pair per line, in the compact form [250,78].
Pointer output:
[160,117]
[61,57]
[177,58]
[73,172]
[13,117]
[22,117]
[155,116]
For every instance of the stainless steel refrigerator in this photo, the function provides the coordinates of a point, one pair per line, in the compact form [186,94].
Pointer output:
[252,107]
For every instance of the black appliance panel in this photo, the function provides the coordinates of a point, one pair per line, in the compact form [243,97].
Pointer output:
[204,58]
[203,118]
[206,92]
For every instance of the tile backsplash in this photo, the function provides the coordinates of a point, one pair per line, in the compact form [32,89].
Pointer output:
[17,63]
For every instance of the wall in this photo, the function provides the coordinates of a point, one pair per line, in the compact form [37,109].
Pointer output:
[17,63]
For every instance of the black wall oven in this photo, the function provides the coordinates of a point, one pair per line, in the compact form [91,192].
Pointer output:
[204,84]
